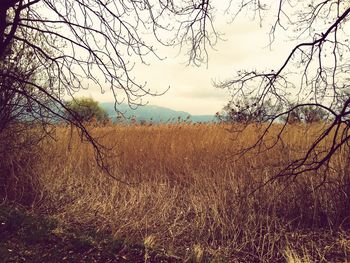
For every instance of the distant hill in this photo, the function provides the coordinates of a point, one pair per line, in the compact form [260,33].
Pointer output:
[154,113]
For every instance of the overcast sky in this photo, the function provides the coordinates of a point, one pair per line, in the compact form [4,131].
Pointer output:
[191,88]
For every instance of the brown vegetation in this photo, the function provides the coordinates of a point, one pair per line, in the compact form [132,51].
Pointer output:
[190,195]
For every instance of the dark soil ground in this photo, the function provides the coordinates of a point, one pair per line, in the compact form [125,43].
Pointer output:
[26,237]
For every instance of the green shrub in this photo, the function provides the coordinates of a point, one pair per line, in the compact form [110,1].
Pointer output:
[86,110]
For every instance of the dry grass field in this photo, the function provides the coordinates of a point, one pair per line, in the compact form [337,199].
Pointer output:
[189,195]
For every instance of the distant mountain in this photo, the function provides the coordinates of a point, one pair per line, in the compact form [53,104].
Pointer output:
[154,113]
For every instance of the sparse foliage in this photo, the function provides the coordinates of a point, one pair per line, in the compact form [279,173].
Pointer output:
[18,101]
[308,114]
[246,111]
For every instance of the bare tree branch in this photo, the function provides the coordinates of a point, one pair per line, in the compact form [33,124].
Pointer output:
[322,64]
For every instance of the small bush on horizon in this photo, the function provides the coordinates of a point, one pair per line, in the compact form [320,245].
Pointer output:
[86,110]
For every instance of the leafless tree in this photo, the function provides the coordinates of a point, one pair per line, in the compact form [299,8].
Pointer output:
[99,40]
[315,74]
[69,45]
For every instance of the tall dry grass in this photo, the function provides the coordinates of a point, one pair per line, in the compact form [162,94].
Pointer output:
[190,195]
[20,151]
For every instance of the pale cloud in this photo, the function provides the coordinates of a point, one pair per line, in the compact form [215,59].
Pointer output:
[191,89]
[204,93]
